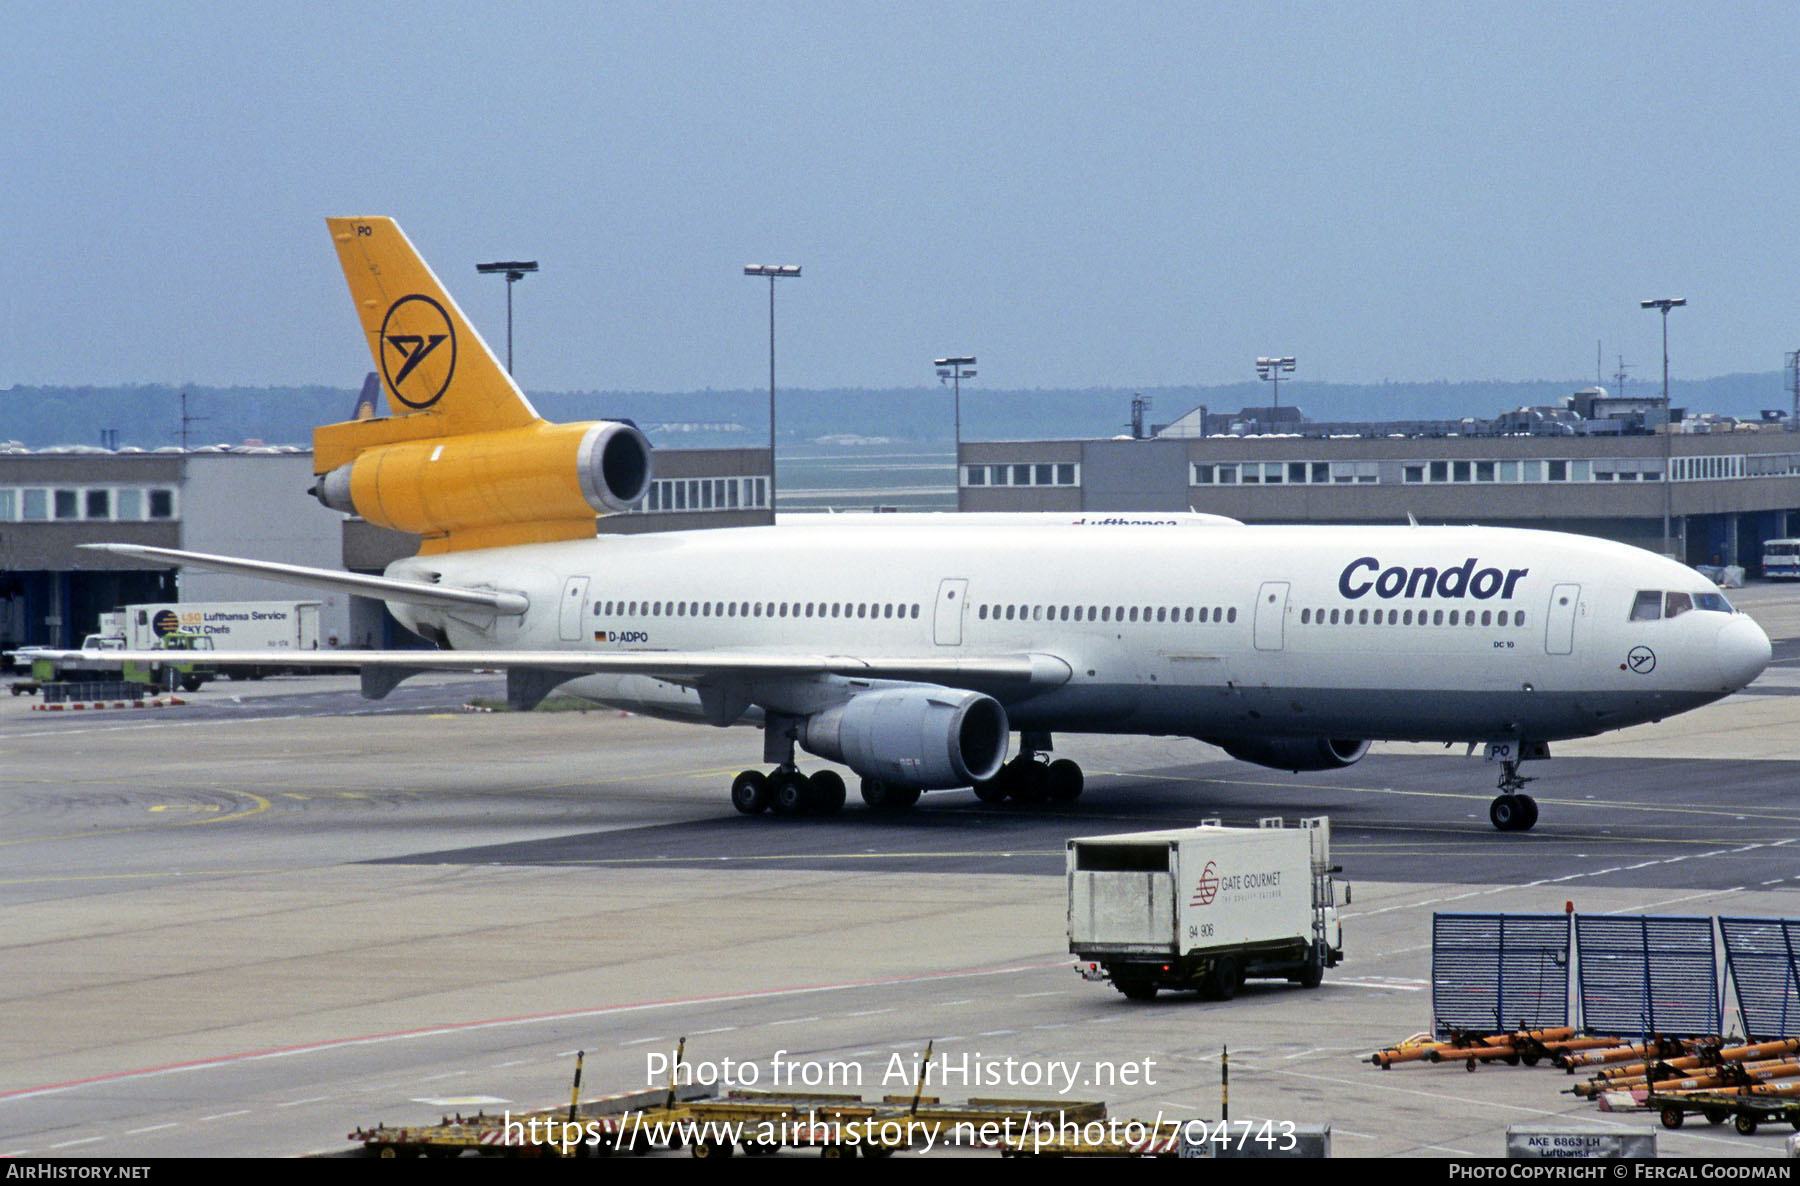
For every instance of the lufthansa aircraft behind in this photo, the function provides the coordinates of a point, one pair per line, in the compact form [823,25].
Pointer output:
[909,647]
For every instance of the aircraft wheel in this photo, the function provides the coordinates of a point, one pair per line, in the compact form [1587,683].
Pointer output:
[1065,781]
[750,792]
[1031,781]
[828,792]
[908,798]
[878,795]
[1531,813]
[1507,813]
[790,792]
[989,790]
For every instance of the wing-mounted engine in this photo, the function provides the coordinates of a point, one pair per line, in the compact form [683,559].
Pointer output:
[914,737]
[529,484]
[1293,753]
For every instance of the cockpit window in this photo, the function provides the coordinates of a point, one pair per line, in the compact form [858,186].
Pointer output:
[1647,607]
[1713,601]
[1676,604]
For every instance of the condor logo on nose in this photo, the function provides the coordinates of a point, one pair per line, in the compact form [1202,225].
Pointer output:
[1462,580]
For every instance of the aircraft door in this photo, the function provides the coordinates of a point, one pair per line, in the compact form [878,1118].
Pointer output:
[574,600]
[1559,623]
[1271,615]
[946,626]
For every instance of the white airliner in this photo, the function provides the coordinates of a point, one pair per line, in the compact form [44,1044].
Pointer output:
[909,647]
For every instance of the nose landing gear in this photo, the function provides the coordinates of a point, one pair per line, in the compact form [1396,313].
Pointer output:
[1513,811]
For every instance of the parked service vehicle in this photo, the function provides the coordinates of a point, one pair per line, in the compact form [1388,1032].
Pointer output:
[229,625]
[1205,908]
[1781,559]
[48,665]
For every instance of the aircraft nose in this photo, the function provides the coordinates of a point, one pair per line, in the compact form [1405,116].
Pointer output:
[1743,651]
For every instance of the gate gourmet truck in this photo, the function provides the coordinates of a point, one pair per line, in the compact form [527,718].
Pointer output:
[1204,908]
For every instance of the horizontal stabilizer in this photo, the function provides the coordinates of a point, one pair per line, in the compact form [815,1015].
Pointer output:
[383,588]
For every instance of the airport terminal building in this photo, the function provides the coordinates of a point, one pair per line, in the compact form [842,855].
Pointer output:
[254,501]
[1729,487]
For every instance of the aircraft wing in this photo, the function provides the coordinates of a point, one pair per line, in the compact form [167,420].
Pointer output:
[532,674]
[385,588]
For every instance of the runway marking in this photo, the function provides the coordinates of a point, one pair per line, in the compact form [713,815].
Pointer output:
[793,1020]
[261,805]
[466,1027]
[137,876]
[225,1115]
[1380,984]
[82,1141]
[870,1013]
[723,1029]
[151,1128]
[797,856]
[316,1099]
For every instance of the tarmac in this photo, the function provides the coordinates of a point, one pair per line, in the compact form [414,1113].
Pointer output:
[248,925]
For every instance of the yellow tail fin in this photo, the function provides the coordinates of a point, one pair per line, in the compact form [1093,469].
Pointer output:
[430,359]
[465,461]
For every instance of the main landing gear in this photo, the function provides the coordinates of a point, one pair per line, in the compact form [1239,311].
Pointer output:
[1513,811]
[1032,777]
[786,791]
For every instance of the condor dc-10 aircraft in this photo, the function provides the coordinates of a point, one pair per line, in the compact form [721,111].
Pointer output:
[910,647]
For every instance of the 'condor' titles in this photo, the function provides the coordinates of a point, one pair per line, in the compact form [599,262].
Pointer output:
[1464,580]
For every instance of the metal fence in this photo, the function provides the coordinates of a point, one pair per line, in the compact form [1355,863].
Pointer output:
[1492,972]
[1647,974]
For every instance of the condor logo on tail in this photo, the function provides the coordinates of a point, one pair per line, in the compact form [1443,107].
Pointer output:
[417,336]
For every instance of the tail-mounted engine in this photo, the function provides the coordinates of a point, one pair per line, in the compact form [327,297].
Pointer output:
[529,484]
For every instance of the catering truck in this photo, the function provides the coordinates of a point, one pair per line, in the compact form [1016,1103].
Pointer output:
[1204,908]
[274,626]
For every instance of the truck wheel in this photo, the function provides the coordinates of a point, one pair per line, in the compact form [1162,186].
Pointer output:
[192,683]
[1225,980]
[1136,990]
[1313,974]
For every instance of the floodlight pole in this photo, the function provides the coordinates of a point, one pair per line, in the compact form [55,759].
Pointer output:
[774,272]
[953,369]
[1664,305]
[514,270]
[1271,370]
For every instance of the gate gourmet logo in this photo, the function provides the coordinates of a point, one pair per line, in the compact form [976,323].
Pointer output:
[1207,888]
[418,351]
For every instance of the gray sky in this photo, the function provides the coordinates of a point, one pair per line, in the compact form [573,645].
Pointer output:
[1090,194]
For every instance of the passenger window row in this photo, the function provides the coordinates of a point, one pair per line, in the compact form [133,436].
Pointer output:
[886,610]
[1407,617]
[1105,613]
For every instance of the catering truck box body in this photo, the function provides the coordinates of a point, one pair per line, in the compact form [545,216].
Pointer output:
[1204,908]
[232,625]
